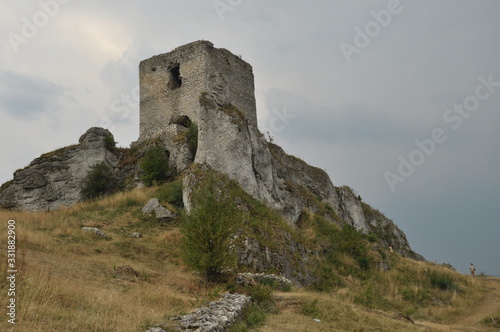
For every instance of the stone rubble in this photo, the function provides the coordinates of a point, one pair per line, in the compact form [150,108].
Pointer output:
[247,279]
[94,230]
[216,317]
[155,329]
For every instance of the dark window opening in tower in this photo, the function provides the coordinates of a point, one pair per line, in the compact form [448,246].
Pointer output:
[175,80]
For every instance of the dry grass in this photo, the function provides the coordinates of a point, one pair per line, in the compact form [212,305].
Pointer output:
[67,279]
[335,313]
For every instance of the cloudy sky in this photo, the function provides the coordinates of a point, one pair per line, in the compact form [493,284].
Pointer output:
[398,99]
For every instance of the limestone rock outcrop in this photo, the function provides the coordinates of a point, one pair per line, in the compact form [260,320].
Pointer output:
[292,260]
[153,206]
[54,179]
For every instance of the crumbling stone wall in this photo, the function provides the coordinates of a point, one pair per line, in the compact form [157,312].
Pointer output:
[171,85]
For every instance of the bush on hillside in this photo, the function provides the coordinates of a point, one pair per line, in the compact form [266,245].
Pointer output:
[100,181]
[208,229]
[171,193]
[109,142]
[155,166]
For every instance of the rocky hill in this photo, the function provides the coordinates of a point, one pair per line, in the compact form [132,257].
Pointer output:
[209,92]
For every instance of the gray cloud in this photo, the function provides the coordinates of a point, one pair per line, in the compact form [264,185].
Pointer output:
[335,125]
[25,96]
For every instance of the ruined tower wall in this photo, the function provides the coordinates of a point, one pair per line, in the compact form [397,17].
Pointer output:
[171,85]
[231,81]
[161,99]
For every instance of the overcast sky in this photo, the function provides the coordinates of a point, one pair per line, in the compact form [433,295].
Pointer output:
[398,99]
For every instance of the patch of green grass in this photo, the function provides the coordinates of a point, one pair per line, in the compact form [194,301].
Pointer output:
[171,193]
[192,137]
[311,309]
[441,281]
[58,152]
[256,314]
[6,185]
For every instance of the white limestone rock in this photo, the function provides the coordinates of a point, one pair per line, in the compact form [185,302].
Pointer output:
[153,206]
[54,180]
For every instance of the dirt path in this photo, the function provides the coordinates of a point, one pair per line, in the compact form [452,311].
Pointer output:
[488,307]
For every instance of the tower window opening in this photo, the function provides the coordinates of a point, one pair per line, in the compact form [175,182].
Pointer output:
[175,80]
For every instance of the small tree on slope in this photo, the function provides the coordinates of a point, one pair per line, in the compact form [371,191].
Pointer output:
[208,230]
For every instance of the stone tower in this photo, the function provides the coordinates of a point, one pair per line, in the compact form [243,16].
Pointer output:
[171,85]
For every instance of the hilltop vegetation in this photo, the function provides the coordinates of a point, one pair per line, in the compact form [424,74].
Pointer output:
[70,280]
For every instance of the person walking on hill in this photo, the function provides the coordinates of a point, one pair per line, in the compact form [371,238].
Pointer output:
[472,270]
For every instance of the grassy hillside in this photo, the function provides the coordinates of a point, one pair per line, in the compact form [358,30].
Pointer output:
[69,280]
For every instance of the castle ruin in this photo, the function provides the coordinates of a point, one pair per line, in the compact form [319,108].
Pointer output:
[211,90]
[171,85]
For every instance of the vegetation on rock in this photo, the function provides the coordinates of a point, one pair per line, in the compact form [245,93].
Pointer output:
[155,166]
[100,181]
[192,137]
[109,142]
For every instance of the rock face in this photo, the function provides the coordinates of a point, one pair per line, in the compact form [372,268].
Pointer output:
[214,89]
[388,233]
[53,180]
[292,260]
[197,84]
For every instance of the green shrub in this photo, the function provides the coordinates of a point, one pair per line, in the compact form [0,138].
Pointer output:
[109,142]
[192,137]
[261,293]
[155,166]
[208,229]
[255,316]
[100,181]
[172,193]
[345,240]
[441,281]
[328,278]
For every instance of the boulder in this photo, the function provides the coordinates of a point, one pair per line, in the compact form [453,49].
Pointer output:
[153,206]
[94,230]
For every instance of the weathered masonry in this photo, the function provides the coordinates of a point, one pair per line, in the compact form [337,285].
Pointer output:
[172,83]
